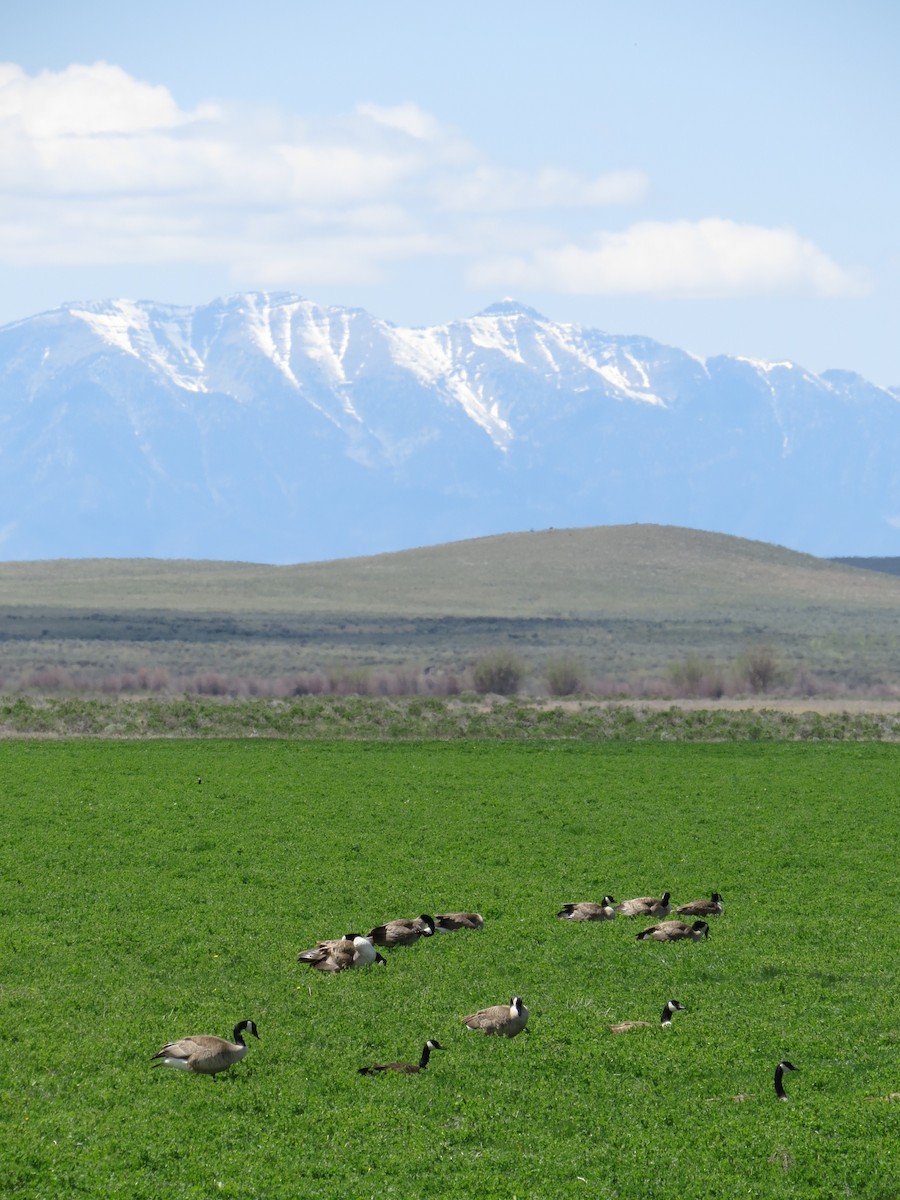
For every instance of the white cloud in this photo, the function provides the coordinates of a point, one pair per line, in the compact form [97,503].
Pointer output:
[408,118]
[87,100]
[707,258]
[99,168]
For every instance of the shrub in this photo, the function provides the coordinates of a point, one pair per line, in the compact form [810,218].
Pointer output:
[564,676]
[209,683]
[501,671]
[350,681]
[49,679]
[697,676]
[758,668]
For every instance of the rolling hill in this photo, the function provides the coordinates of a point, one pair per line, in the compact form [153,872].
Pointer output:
[624,601]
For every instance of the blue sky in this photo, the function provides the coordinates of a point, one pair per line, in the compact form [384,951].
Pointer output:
[719,176]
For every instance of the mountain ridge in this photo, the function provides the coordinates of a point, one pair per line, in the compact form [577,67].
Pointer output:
[264,426]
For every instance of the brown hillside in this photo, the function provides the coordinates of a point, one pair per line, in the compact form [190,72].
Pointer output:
[626,570]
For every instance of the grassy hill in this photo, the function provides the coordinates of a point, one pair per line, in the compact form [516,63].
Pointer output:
[625,602]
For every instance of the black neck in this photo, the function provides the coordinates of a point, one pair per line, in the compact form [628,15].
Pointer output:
[666,1018]
[426,1054]
[779,1089]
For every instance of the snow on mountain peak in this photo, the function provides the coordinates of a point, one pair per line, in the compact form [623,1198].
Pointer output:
[163,342]
[511,308]
[347,431]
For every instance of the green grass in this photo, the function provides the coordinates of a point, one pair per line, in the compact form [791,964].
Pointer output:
[139,905]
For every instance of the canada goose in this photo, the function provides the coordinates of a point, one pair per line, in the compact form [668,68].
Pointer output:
[403,931]
[664,1021]
[779,1071]
[504,1020]
[713,907]
[205,1055]
[405,1068]
[675,931]
[450,922]
[341,954]
[587,910]
[645,906]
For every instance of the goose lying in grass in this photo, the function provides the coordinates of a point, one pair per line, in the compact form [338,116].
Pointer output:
[665,1020]
[204,1054]
[403,931]
[713,907]
[341,954]
[451,922]
[645,906]
[405,1068]
[588,910]
[504,1020]
[779,1071]
[674,931]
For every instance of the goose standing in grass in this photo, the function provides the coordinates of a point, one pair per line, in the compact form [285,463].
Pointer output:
[779,1071]
[674,931]
[403,931]
[713,907]
[405,1068]
[504,1020]
[588,910]
[203,1054]
[451,922]
[341,954]
[665,1020]
[645,906]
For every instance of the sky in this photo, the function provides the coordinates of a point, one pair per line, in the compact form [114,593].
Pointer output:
[719,176]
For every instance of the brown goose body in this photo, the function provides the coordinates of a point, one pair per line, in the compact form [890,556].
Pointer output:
[503,1020]
[589,910]
[204,1054]
[451,922]
[404,931]
[675,931]
[645,906]
[664,1021]
[713,907]
[341,954]
[405,1068]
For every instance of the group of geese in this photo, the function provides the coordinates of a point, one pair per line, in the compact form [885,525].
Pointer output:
[651,906]
[208,1055]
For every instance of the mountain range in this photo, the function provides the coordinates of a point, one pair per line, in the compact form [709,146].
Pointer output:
[269,428]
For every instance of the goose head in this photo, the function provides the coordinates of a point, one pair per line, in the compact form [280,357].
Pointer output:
[672,1006]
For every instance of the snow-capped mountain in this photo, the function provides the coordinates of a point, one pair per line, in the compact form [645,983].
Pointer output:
[269,428]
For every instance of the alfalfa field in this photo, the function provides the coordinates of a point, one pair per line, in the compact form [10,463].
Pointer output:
[151,890]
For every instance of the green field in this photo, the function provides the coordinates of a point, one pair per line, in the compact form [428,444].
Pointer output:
[627,603]
[139,905]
